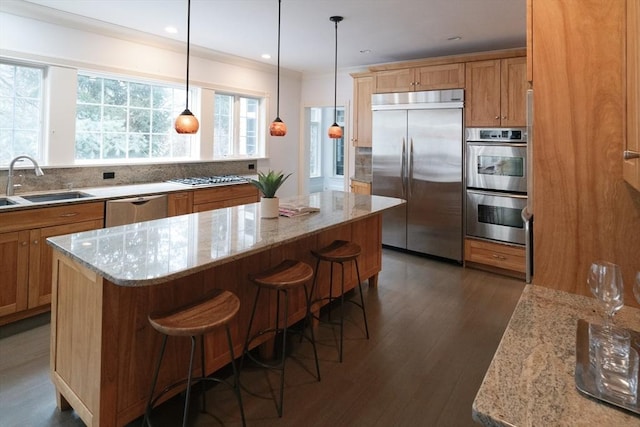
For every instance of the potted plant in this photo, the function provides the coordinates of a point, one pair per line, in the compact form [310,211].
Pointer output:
[268,184]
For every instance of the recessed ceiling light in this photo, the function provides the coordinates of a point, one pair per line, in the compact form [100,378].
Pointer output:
[454,38]
[265,56]
[171,29]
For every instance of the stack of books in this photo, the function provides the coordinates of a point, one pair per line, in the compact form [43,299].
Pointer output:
[289,210]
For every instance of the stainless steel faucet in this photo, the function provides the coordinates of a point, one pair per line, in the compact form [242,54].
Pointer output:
[36,168]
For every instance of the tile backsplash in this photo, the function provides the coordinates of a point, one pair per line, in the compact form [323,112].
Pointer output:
[93,176]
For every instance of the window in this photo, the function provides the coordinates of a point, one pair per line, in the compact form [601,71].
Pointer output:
[315,142]
[21,111]
[338,146]
[237,121]
[119,119]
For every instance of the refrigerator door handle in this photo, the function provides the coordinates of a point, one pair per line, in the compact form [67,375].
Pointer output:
[403,169]
[410,174]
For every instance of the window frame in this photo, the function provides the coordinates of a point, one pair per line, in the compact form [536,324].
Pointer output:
[236,118]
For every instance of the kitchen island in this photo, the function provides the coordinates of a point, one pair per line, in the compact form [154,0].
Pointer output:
[530,381]
[107,281]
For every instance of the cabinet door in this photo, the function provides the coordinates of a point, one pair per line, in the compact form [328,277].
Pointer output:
[14,265]
[180,203]
[513,90]
[362,90]
[41,258]
[395,81]
[631,166]
[437,77]
[482,101]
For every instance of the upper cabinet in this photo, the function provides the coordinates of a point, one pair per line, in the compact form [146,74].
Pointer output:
[631,162]
[496,93]
[432,77]
[362,90]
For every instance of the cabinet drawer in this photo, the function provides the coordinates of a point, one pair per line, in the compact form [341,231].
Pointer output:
[45,217]
[226,192]
[508,257]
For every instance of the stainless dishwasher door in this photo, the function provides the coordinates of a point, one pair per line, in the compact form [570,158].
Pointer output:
[135,209]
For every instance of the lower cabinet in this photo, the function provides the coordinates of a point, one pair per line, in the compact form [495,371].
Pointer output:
[224,197]
[26,258]
[501,258]
[360,187]
[180,203]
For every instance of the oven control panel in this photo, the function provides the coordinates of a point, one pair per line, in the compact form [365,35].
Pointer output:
[513,135]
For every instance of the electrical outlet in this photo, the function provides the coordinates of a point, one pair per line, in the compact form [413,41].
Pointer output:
[108,175]
[251,166]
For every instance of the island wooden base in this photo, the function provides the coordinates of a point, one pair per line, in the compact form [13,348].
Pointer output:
[103,349]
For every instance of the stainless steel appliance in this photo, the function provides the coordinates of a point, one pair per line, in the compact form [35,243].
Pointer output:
[135,209]
[497,159]
[496,216]
[496,178]
[527,212]
[417,156]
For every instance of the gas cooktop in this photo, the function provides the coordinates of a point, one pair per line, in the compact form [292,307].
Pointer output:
[210,180]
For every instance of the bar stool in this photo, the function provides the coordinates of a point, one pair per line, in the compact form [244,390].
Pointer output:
[196,320]
[340,252]
[287,275]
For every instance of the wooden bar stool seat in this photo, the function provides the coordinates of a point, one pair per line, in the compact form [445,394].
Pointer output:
[196,320]
[287,275]
[339,252]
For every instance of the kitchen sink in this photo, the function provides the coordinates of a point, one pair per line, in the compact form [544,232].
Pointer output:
[6,202]
[54,197]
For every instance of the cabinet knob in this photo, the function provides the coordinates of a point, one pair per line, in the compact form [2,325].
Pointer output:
[504,117]
[35,242]
[24,243]
[497,117]
[500,257]
[628,155]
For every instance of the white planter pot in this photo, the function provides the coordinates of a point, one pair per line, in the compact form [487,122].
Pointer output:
[269,207]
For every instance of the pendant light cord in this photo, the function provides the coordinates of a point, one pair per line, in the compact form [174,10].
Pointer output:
[278,88]
[188,43]
[335,82]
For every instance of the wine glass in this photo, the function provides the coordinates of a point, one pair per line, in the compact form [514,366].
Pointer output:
[605,282]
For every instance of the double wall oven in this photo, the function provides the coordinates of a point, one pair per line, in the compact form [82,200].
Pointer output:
[496,183]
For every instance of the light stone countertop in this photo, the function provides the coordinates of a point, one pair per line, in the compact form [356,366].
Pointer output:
[157,251]
[530,381]
[105,193]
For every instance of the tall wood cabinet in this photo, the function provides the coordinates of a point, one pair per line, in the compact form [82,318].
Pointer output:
[496,93]
[362,90]
[584,210]
[631,165]
[26,259]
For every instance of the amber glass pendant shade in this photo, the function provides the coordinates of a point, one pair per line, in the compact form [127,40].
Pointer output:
[187,123]
[335,131]
[278,128]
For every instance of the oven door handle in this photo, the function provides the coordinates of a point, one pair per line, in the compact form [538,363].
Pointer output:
[496,144]
[493,193]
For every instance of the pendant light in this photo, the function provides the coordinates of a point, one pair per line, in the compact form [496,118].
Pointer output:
[335,131]
[186,122]
[277,127]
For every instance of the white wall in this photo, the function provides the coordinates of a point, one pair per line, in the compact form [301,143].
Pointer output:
[73,48]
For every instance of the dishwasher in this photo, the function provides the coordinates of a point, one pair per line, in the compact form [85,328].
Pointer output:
[135,209]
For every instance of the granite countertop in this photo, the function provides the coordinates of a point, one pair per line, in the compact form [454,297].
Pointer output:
[153,252]
[530,381]
[105,193]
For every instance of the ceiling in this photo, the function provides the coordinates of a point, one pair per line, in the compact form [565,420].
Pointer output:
[372,32]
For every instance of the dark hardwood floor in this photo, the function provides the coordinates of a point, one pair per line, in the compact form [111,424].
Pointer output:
[434,328]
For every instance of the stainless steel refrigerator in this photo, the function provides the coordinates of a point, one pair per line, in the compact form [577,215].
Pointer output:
[416,151]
